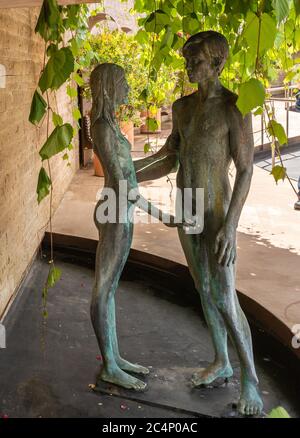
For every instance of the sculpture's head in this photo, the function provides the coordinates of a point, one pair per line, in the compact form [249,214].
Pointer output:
[109,90]
[205,54]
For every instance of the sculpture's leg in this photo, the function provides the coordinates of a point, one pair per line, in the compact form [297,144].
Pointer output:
[122,363]
[224,294]
[197,258]
[112,253]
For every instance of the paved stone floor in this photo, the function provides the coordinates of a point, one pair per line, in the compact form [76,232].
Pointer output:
[45,371]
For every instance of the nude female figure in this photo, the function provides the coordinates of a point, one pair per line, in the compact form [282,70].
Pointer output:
[208,133]
[110,89]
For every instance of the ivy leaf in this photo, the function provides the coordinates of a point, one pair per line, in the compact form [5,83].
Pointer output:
[44,183]
[152,124]
[251,95]
[71,91]
[278,412]
[190,24]
[279,172]
[76,114]
[57,119]
[58,69]
[38,108]
[277,130]
[268,32]
[49,21]
[53,276]
[147,148]
[282,8]
[297,7]
[59,140]
[65,156]
[156,21]
[78,79]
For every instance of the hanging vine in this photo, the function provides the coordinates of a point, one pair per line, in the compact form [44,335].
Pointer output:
[55,23]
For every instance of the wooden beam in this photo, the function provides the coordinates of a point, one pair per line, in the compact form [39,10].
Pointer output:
[5,4]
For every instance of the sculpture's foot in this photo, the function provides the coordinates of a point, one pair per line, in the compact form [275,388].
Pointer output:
[216,370]
[120,378]
[131,367]
[250,402]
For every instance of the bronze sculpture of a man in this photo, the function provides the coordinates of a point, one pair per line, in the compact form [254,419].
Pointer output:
[208,133]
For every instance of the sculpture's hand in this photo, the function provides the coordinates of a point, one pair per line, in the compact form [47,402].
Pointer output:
[225,246]
[185,223]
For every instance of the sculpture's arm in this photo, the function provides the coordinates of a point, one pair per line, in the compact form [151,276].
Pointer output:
[241,149]
[164,161]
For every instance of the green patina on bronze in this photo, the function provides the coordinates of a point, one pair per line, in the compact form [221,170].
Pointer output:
[208,133]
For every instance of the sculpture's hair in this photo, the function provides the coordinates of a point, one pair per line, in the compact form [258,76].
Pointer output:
[104,82]
[216,45]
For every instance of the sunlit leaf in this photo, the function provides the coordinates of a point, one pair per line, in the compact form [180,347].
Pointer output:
[278,412]
[282,8]
[275,129]
[147,148]
[38,108]
[76,114]
[267,33]
[152,124]
[57,119]
[251,95]
[279,172]
[59,140]
[78,79]
[71,91]
[53,276]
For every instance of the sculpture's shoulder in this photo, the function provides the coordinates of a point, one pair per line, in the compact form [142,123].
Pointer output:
[229,98]
[183,103]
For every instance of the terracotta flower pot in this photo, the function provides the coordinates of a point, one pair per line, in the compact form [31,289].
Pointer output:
[127,130]
[97,166]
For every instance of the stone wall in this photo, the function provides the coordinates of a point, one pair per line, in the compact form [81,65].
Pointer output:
[22,220]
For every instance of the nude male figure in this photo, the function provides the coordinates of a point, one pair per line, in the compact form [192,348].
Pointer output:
[208,133]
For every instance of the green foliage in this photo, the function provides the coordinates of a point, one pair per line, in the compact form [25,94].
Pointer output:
[251,95]
[57,119]
[43,186]
[276,130]
[147,148]
[54,275]
[282,8]
[279,172]
[49,23]
[58,69]
[152,124]
[278,412]
[59,140]
[38,108]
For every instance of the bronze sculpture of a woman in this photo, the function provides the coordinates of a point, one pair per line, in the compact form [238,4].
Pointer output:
[109,90]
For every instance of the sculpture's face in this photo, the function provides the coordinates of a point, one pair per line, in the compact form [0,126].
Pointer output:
[123,92]
[199,65]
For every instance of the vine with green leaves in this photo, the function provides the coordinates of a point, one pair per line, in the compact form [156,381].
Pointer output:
[63,29]
[264,38]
